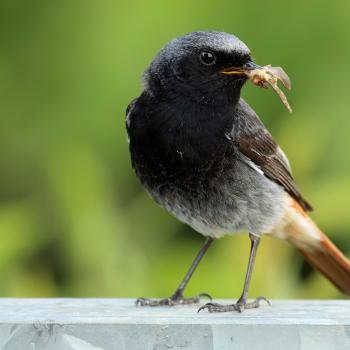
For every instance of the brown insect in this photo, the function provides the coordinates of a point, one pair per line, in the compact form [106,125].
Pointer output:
[265,76]
[270,75]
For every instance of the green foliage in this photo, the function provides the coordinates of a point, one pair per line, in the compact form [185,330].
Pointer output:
[73,218]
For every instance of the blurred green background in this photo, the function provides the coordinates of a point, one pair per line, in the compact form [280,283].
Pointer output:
[74,220]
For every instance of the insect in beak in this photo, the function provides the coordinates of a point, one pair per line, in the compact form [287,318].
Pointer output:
[262,76]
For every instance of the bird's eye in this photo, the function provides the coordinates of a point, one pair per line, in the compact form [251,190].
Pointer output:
[207,58]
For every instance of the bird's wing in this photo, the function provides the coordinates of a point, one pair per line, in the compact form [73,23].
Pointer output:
[256,143]
[128,112]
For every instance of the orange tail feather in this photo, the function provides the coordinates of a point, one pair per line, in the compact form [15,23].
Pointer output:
[298,229]
[331,262]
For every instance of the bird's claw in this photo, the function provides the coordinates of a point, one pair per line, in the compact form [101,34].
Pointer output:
[240,306]
[172,301]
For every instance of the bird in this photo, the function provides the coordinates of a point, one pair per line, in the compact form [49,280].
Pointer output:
[203,154]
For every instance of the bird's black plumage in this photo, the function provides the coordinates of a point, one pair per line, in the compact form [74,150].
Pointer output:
[205,156]
[202,153]
[189,123]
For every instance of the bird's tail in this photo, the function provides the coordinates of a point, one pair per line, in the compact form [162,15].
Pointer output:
[299,230]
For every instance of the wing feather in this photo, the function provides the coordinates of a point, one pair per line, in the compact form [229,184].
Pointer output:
[256,143]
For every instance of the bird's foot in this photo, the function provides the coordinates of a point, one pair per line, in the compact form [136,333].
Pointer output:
[241,305]
[176,299]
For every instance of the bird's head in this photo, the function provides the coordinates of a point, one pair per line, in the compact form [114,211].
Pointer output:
[207,67]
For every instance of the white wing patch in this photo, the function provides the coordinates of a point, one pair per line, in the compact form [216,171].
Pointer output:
[284,157]
[252,164]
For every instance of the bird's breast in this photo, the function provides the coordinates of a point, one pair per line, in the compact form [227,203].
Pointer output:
[221,196]
[191,168]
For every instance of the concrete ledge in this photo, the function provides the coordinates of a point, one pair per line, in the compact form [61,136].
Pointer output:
[116,324]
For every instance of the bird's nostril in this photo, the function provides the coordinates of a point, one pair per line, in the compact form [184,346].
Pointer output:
[250,65]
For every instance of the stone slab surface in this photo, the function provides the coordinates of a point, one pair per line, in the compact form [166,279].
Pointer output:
[116,324]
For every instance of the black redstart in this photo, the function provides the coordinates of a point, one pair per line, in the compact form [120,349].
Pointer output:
[203,154]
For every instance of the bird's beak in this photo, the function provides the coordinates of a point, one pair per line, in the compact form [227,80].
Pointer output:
[242,71]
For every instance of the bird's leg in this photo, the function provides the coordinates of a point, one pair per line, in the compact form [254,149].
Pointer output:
[177,297]
[242,303]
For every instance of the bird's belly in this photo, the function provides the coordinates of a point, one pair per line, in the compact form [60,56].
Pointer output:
[239,198]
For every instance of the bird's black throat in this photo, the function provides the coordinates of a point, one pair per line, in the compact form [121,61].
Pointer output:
[178,139]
